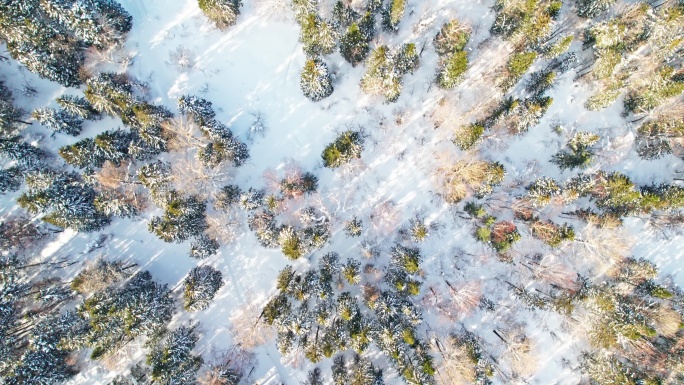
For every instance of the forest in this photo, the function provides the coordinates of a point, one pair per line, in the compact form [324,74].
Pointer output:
[341,192]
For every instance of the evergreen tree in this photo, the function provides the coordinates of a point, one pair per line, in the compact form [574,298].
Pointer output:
[171,359]
[346,147]
[49,37]
[467,137]
[355,43]
[155,176]
[343,16]
[38,44]
[115,317]
[580,152]
[10,179]
[517,65]
[251,199]
[314,377]
[303,8]
[223,13]
[659,137]
[10,115]
[78,106]
[110,93]
[540,82]
[203,247]
[224,146]
[110,146]
[227,197]
[452,38]
[139,375]
[315,81]
[358,371]
[453,68]
[28,157]
[67,202]
[200,287]
[392,15]
[44,362]
[592,8]
[353,227]
[183,218]
[317,36]
[386,68]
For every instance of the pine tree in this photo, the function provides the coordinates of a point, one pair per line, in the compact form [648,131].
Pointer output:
[66,201]
[50,37]
[406,60]
[37,44]
[392,15]
[203,247]
[355,43]
[580,152]
[227,197]
[112,146]
[352,272]
[453,68]
[386,68]
[358,371]
[317,36]
[467,137]
[10,179]
[115,317]
[78,106]
[111,93]
[28,157]
[452,38]
[183,218]
[223,13]
[592,8]
[200,287]
[314,377]
[251,199]
[303,8]
[540,82]
[171,359]
[10,115]
[315,81]
[353,227]
[518,64]
[346,147]
[44,362]
[155,176]
[343,15]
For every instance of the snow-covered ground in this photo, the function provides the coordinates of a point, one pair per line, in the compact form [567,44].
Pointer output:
[254,67]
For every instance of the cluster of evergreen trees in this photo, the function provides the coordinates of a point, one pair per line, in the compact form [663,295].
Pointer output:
[311,315]
[50,37]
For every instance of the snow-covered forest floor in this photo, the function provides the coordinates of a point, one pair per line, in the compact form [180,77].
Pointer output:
[250,72]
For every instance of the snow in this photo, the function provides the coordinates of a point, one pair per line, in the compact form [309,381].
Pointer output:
[254,67]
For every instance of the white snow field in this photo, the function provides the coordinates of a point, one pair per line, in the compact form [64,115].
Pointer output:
[254,68]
